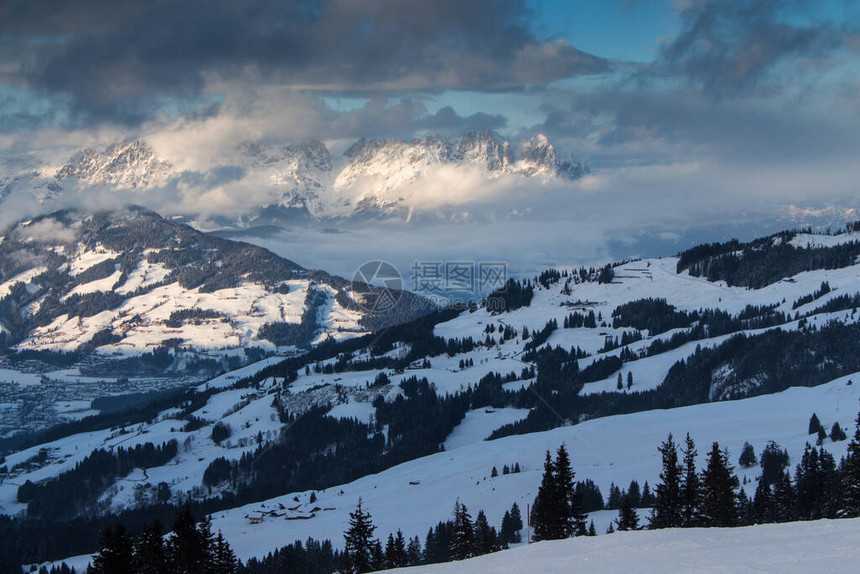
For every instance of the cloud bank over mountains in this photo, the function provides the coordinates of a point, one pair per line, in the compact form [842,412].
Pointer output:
[734,108]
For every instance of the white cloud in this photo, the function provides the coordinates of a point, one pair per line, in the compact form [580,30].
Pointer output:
[47,231]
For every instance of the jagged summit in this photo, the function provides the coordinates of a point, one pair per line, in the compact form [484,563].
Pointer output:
[303,178]
[381,173]
[296,173]
[131,164]
[484,148]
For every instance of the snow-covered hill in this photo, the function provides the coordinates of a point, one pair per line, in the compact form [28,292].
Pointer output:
[606,361]
[129,282]
[610,450]
[821,546]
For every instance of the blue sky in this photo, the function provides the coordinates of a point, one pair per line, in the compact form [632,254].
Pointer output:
[626,31]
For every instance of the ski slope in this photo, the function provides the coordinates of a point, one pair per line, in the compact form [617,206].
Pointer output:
[797,547]
[416,495]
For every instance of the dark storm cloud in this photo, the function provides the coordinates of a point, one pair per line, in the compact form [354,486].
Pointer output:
[380,118]
[727,47]
[647,127]
[113,57]
[446,119]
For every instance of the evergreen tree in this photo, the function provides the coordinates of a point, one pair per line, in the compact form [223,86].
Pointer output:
[506,530]
[516,524]
[763,504]
[814,424]
[512,524]
[390,559]
[627,517]
[592,531]
[359,541]
[719,501]
[808,485]
[401,555]
[462,534]
[573,519]
[187,549]
[590,497]
[115,555]
[635,494]
[225,559]
[557,511]
[377,556]
[774,460]
[486,540]
[747,458]
[667,504]
[428,556]
[207,543]
[413,552]
[784,500]
[850,473]
[647,496]
[544,509]
[831,491]
[745,509]
[690,486]
[613,501]
[630,379]
[150,555]
[836,433]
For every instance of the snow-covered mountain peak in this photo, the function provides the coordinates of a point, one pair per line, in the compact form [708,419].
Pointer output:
[301,179]
[488,148]
[380,172]
[314,152]
[296,172]
[131,164]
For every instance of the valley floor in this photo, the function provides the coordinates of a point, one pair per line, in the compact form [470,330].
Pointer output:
[819,546]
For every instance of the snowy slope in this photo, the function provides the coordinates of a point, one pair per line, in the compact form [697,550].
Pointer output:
[613,449]
[800,547]
[610,450]
[135,280]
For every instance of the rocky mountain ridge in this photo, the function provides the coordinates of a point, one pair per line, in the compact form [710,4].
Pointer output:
[301,178]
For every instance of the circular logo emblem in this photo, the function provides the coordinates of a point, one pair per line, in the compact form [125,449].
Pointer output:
[379,285]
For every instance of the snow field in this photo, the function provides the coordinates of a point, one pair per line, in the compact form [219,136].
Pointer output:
[415,495]
[795,547]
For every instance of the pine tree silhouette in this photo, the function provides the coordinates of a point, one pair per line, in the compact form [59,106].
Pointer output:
[359,540]
[719,501]
[667,504]
[627,517]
